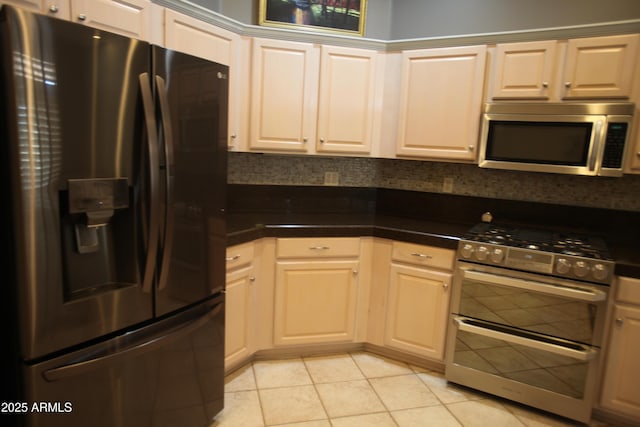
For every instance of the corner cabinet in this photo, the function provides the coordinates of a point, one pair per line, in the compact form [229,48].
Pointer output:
[316,290]
[620,390]
[418,299]
[440,102]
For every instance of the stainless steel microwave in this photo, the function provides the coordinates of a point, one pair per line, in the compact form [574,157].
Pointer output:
[569,138]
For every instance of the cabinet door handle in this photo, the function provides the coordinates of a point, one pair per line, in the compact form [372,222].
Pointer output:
[567,84]
[445,286]
[420,255]
[619,321]
[252,279]
[53,8]
[545,84]
[319,248]
[233,258]
[82,17]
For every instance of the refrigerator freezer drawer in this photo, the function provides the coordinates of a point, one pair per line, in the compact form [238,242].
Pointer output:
[170,370]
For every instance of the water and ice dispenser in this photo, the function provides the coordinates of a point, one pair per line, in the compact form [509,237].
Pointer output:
[98,236]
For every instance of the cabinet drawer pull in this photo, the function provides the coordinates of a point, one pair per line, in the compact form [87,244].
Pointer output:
[232,258]
[319,248]
[419,255]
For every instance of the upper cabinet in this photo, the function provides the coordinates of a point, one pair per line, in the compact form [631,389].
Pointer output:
[284,95]
[523,70]
[346,102]
[56,8]
[600,67]
[131,18]
[585,68]
[440,102]
[190,35]
[310,99]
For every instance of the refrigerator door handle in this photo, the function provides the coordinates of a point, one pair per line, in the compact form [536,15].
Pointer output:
[154,198]
[167,238]
[141,345]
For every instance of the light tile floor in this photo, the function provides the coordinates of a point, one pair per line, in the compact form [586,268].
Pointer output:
[359,390]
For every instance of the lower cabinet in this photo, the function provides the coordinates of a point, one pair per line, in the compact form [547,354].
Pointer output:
[240,304]
[620,389]
[316,290]
[417,310]
[418,300]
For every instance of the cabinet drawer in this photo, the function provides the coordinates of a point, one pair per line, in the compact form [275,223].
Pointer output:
[240,255]
[323,247]
[628,290]
[423,255]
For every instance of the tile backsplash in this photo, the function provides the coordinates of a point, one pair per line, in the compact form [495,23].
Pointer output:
[610,193]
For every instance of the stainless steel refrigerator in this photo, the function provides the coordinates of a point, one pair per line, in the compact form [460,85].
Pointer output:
[113,175]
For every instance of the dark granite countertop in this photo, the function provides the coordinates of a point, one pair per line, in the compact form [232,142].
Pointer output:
[424,218]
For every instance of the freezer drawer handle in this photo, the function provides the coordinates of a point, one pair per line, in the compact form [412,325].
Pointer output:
[556,346]
[147,344]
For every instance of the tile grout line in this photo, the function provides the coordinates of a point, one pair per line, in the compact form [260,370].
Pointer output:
[324,408]
[255,380]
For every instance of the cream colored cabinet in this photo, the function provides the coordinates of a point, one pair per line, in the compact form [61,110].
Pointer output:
[284,95]
[310,99]
[131,18]
[316,290]
[346,100]
[620,390]
[240,303]
[440,102]
[190,35]
[418,299]
[600,67]
[523,70]
[56,8]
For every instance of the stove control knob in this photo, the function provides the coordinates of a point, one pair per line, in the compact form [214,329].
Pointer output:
[482,253]
[497,255]
[600,271]
[563,266]
[581,269]
[466,251]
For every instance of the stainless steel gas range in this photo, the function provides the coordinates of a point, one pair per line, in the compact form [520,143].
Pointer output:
[527,316]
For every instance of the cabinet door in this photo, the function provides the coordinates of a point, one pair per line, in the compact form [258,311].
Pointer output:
[346,105]
[189,35]
[523,70]
[284,95]
[131,18]
[440,102]
[417,310]
[315,301]
[620,390]
[238,309]
[600,67]
[55,8]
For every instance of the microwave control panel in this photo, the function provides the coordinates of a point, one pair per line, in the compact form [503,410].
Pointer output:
[614,145]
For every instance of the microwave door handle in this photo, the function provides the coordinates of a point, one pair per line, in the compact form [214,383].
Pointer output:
[596,149]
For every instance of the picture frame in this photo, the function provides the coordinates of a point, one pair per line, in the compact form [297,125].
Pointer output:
[345,17]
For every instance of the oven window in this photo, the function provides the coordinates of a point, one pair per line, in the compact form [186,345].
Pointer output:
[529,310]
[538,368]
[552,143]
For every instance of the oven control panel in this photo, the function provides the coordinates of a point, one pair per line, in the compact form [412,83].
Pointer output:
[561,265]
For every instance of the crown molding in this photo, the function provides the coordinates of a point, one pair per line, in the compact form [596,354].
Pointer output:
[555,33]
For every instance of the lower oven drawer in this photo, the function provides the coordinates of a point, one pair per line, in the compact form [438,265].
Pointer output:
[552,364]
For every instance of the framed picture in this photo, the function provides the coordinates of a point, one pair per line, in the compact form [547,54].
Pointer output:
[342,16]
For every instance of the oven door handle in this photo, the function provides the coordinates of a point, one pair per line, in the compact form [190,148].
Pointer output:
[557,346]
[577,293]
